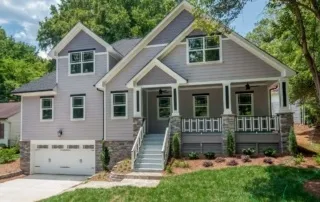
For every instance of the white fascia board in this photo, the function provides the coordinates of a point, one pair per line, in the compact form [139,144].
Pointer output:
[169,71]
[39,93]
[145,41]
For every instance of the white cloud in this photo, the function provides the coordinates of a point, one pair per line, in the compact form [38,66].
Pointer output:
[3,21]
[43,54]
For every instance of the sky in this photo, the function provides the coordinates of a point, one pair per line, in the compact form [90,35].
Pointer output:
[20,18]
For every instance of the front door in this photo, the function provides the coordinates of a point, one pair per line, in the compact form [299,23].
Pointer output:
[159,111]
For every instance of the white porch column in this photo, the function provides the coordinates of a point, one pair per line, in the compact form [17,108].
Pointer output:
[175,101]
[283,95]
[227,98]
[137,102]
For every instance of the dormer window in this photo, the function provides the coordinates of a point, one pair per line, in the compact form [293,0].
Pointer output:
[203,49]
[81,62]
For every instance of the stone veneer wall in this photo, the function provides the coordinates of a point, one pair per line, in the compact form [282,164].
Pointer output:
[25,157]
[228,124]
[118,150]
[98,150]
[137,123]
[285,124]
[175,123]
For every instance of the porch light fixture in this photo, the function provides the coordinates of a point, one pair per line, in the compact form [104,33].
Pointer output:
[60,132]
[162,91]
[248,86]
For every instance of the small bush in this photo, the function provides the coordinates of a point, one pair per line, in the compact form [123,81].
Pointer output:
[270,152]
[8,155]
[317,159]
[249,151]
[16,148]
[176,145]
[104,156]
[169,170]
[246,159]
[207,164]
[210,155]
[268,160]
[232,163]
[3,146]
[220,160]
[180,164]
[193,155]
[293,146]
[299,159]
[230,144]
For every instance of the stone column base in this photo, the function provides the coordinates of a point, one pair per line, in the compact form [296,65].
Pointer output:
[285,124]
[25,157]
[137,123]
[118,151]
[228,125]
[98,150]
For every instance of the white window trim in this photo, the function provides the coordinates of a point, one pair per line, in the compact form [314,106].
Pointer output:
[41,110]
[158,108]
[252,104]
[112,106]
[84,108]
[204,52]
[194,107]
[82,74]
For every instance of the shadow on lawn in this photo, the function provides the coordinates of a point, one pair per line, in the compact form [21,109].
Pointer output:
[283,184]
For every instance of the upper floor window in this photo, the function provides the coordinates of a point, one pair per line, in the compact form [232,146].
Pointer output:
[46,109]
[78,107]
[119,105]
[201,106]
[81,62]
[203,49]
[245,104]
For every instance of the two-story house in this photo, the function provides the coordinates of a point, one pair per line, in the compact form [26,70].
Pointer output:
[133,94]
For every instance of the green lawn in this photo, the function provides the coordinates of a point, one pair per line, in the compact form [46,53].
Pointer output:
[274,183]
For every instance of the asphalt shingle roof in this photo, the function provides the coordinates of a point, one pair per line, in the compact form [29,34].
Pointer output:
[124,46]
[9,109]
[45,83]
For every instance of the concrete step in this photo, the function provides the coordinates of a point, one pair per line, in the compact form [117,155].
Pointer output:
[151,152]
[150,156]
[148,160]
[148,165]
[156,170]
[151,147]
[153,138]
[152,142]
[156,175]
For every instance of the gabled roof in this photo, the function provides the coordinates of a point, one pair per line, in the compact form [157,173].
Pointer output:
[9,109]
[45,83]
[73,32]
[124,46]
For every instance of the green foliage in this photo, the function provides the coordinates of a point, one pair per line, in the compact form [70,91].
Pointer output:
[210,155]
[3,146]
[249,151]
[8,155]
[230,144]
[299,159]
[317,159]
[104,156]
[110,19]
[270,152]
[293,146]
[193,155]
[169,170]
[180,164]
[16,148]
[176,145]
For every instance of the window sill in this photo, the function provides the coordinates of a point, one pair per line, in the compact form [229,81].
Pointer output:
[119,118]
[77,119]
[204,63]
[80,74]
[44,121]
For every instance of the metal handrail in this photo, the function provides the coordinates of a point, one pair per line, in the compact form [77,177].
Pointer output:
[137,144]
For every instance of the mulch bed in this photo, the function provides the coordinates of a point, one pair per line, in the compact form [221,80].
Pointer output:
[308,138]
[313,187]
[7,168]
[101,176]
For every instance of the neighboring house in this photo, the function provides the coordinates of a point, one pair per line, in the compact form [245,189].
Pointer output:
[135,93]
[10,118]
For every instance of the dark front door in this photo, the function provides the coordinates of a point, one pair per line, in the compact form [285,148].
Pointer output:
[1,131]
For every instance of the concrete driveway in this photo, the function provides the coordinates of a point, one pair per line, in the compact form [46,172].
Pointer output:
[37,187]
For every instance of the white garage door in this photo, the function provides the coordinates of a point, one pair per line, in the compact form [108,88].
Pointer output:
[64,158]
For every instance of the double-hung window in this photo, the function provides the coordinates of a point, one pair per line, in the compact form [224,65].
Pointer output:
[245,104]
[119,105]
[204,49]
[46,111]
[201,106]
[78,107]
[164,107]
[81,62]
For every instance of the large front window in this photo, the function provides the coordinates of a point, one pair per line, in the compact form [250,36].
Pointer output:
[46,109]
[78,108]
[204,49]
[164,107]
[201,106]
[81,62]
[245,104]
[119,105]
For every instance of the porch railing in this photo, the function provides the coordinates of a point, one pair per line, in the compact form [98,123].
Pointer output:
[199,125]
[257,124]
[166,147]
[137,144]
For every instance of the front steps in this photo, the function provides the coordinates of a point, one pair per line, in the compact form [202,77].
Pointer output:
[150,157]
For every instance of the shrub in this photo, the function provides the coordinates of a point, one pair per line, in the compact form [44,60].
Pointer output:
[293,146]
[210,155]
[269,152]
[246,159]
[207,164]
[8,155]
[232,163]
[16,148]
[104,156]
[169,170]
[176,145]
[317,159]
[249,151]
[193,155]
[230,144]
[220,160]
[180,164]
[299,159]
[268,160]
[3,146]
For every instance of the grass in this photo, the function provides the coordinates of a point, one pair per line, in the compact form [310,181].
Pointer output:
[256,183]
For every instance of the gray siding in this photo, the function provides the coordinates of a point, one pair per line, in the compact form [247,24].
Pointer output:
[168,34]
[89,129]
[156,76]
[82,41]
[112,62]
[237,63]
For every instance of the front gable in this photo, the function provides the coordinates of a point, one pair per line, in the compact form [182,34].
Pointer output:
[156,76]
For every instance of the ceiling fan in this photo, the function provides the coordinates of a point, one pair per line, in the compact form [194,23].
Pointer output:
[162,91]
[248,87]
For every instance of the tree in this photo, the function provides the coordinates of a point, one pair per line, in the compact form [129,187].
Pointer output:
[298,12]
[111,19]
[19,64]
